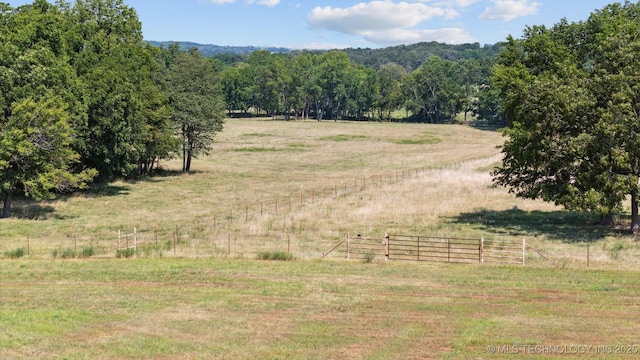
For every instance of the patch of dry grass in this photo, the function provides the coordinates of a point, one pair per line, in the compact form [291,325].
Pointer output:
[301,186]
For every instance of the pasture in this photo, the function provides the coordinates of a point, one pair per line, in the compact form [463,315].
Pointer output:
[194,289]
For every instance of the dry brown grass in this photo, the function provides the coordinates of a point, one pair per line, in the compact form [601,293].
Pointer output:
[302,186]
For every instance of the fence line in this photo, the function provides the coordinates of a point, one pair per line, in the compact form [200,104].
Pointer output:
[134,234]
[247,212]
[437,249]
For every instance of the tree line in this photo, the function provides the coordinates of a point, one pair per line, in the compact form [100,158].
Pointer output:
[330,85]
[83,98]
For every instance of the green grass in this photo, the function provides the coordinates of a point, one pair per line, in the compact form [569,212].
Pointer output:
[343,137]
[277,190]
[424,139]
[275,255]
[159,308]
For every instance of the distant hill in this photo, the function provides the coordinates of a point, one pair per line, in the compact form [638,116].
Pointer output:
[409,56]
[215,50]
[412,56]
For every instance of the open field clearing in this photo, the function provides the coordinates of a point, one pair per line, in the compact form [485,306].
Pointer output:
[196,291]
[301,186]
[248,309]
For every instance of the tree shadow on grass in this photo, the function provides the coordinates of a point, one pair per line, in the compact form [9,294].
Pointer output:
[566,226]
[32,210]
[101,189]
[158,174]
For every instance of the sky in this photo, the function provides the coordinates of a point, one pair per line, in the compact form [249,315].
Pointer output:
[337,24]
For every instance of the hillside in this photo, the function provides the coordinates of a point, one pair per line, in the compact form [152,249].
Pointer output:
[409,56]
[214,50]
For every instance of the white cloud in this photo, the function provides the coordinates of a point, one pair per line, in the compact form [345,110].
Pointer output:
[375,16]
[269,3]
[220,2]
[409,36]
[390,23]
[452,3]
[507,10]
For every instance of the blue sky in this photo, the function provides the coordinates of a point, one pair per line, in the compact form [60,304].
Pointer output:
[329,24]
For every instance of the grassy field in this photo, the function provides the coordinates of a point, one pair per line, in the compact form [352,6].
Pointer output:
[312,309]
[194,289]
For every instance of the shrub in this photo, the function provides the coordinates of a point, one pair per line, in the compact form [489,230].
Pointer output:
[125,253]
[87,252]
[275,255]
[369,256]
[68,253]
[15,254]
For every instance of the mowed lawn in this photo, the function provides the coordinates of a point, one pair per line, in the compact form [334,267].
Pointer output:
[249,309]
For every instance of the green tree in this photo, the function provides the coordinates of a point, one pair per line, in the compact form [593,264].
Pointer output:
[236,81]
[197,103]
[391,77]
[435,90]
[571,95]
[117,68]
[36,155]
[40,106]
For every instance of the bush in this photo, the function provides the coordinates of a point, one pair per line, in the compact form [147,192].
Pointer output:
[275,255]
[125,253]
[87,252]
[369,256]
[68,253]
[15,254]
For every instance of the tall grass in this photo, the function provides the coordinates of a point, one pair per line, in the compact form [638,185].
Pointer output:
[255,194]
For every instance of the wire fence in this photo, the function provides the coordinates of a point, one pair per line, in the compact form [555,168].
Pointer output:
[435,249]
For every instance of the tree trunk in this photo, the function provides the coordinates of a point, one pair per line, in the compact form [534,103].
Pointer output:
[6,210]
[635,220]
[188,163]
[606,219]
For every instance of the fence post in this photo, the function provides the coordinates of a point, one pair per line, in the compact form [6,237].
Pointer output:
[418,248]
[348,241]
[524,244]
[449,250]
[118,239]
[386,247]
[481,251]
[135,238]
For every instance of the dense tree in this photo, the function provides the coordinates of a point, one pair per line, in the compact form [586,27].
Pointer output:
[197,103]
[391,77]
[331,80]
[435,90]
[40,106]
[572,96]
[124,105]
[236,82]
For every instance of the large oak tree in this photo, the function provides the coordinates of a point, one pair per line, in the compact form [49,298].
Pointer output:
[572,96]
